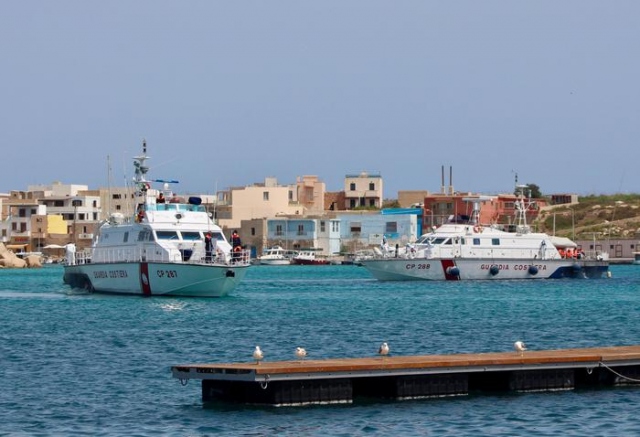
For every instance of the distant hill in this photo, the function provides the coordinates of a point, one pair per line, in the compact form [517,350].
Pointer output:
[611,216]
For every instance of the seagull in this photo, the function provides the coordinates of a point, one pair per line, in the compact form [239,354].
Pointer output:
[301,353]
[384,349]
[258,355]
[519,346]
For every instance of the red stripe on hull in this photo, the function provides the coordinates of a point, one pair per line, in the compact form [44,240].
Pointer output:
[145,286]
[446,264]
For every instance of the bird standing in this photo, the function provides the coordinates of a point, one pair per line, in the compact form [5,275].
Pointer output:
[301,353]
[258,355]
[519,346]
[384,350]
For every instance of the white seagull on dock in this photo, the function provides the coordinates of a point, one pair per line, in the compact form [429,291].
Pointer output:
[301,353]
[384,349]
[519,346]
[258,355]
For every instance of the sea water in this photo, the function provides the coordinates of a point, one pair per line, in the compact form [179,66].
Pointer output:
[73,363]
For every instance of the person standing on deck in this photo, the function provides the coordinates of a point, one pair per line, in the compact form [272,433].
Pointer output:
[209,247]
[236,246]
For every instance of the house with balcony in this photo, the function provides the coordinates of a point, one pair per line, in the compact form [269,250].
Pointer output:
[269,199]
[29,211]
[363,190]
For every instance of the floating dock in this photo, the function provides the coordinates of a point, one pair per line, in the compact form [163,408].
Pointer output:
[304,382]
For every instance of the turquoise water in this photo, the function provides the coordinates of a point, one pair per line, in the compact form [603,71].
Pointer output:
[82,364]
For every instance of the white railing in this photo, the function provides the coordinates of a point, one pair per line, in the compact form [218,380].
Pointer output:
[137,254]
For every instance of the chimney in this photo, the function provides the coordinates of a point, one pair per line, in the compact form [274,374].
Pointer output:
[451,180]
[442,189]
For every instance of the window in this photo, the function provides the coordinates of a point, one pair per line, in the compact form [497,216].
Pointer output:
[322,227]
[58,203]
[495,241]
[372,186]
[190,235]
[300,229]
[352,186]
[167,235]
[22,212]
[253,231]
[126,237]
[118,207]
[95,203]
[391,227]
[476,241]
[279,230]
[335,226]
[352,203]
[355,227]
[372,202]
[116,196]
[265,195]
[290,196]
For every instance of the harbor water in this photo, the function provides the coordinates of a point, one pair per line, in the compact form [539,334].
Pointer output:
[83,364]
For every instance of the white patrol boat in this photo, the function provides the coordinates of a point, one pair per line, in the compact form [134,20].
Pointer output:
[470,251]
[159,251]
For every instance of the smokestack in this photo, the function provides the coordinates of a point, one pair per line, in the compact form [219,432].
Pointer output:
[442,189]
[451,180]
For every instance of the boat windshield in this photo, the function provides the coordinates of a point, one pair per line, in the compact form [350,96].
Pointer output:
[167,235]
[191,235]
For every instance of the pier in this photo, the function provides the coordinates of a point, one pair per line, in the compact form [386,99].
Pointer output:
[330,381]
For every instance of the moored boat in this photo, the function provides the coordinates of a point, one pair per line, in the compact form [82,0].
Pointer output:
[159,251]
[276,256]
[636,257]
[471,251]
[308,257]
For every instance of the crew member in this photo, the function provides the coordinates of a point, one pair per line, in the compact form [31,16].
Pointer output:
[209,247]
[236,245]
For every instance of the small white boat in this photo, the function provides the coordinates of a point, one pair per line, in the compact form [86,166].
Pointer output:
[471,251]
[159,251]
[276,256]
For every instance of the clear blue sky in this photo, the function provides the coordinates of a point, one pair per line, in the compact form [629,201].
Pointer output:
[229,92]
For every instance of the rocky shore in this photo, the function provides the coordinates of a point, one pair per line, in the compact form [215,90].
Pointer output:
[9,259]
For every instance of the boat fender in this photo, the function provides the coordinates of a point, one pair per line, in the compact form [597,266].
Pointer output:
[533,270]
[453,270]
[230,274]
[494,270]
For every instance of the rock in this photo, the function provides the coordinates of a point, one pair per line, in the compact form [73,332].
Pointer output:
[33,261]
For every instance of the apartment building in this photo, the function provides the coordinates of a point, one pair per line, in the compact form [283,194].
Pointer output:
[363,190]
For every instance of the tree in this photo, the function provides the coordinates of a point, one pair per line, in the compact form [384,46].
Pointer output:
[532,191]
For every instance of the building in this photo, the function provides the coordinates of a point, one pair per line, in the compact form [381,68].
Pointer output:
[363,229]
[35,216]
[269,199]
[363,190]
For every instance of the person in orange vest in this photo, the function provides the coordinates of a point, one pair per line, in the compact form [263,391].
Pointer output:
[236,245]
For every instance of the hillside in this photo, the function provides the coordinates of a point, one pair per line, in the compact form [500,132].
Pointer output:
[613,216]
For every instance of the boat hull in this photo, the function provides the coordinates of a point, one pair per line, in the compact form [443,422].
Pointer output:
[156,279]
[310,262]
[274,262]
[455,269]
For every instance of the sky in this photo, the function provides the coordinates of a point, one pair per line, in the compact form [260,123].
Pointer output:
[227,93]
